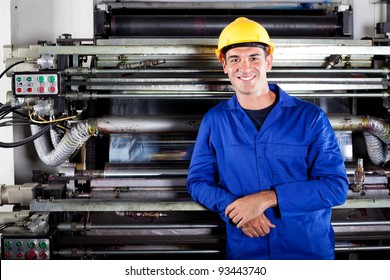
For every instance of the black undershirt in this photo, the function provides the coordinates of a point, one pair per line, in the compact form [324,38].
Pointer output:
[258,116]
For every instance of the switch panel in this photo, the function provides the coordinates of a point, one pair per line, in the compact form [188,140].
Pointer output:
[47,83]
[25,248]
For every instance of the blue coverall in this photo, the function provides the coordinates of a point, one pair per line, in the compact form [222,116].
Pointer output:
[295,153]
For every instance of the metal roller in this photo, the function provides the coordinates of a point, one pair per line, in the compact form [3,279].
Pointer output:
[190,26]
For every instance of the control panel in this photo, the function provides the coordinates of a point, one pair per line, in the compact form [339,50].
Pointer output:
[25,248]
[47,83]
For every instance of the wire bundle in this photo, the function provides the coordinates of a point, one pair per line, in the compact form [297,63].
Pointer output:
[53,148]
[4,226]
[20,118]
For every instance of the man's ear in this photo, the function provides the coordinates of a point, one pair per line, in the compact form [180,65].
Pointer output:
[269,60]
[223,61]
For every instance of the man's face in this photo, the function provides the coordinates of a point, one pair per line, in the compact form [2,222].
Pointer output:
[247,69]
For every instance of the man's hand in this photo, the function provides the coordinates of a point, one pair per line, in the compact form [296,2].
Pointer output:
[249,207]
[258,227]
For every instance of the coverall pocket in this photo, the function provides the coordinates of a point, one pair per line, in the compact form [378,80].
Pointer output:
[288,163]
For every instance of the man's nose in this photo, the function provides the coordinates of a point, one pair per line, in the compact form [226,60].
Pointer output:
[244,65]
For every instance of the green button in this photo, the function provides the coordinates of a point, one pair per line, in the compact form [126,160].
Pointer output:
[19,244]
[31,244]
[7,244]
[29,79]
[43,244]
[19,79]
[41,79]
[52,79]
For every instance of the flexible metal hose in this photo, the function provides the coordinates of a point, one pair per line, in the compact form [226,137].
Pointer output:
[376,132]
[55,137]
[374,148]
[66,148]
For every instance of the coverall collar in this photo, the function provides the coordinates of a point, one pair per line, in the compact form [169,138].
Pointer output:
[283,100]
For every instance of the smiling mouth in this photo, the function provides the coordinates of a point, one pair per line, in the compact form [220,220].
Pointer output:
[246,78]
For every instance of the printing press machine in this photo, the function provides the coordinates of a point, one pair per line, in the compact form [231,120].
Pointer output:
[117,116]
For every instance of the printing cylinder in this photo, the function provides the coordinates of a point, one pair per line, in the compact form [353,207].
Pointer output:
[287,26]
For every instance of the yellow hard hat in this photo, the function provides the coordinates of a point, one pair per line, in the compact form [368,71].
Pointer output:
[241,31]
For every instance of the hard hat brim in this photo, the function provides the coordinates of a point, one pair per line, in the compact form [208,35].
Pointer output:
[220,53]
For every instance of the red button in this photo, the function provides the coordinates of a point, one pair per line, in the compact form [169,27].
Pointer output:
[43,255]
[52,89]
[8,255]
[19,255]
[29,89]
[41,89]
[31,255]
[19,89]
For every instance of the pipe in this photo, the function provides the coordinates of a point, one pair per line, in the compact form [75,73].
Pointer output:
[178,94]
[147,172]
[162,124]
[146,124]
[81,132]
[252,1]
[74,252]
[378,127]
[156,226]
[88,227]
[79,71]
[354,248]
[375,132]
[370,223]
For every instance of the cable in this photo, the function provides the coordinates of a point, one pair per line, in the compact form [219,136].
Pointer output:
[26,140]
[57,125]
[14,122]
[4,226]
[6,109]
[6,105]
[4,112]
[51,121]
[12,65]
[10,120]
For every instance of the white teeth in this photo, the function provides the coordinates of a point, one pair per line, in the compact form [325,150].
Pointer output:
[246,79]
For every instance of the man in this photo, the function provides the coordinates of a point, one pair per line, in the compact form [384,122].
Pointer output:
[267,162]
